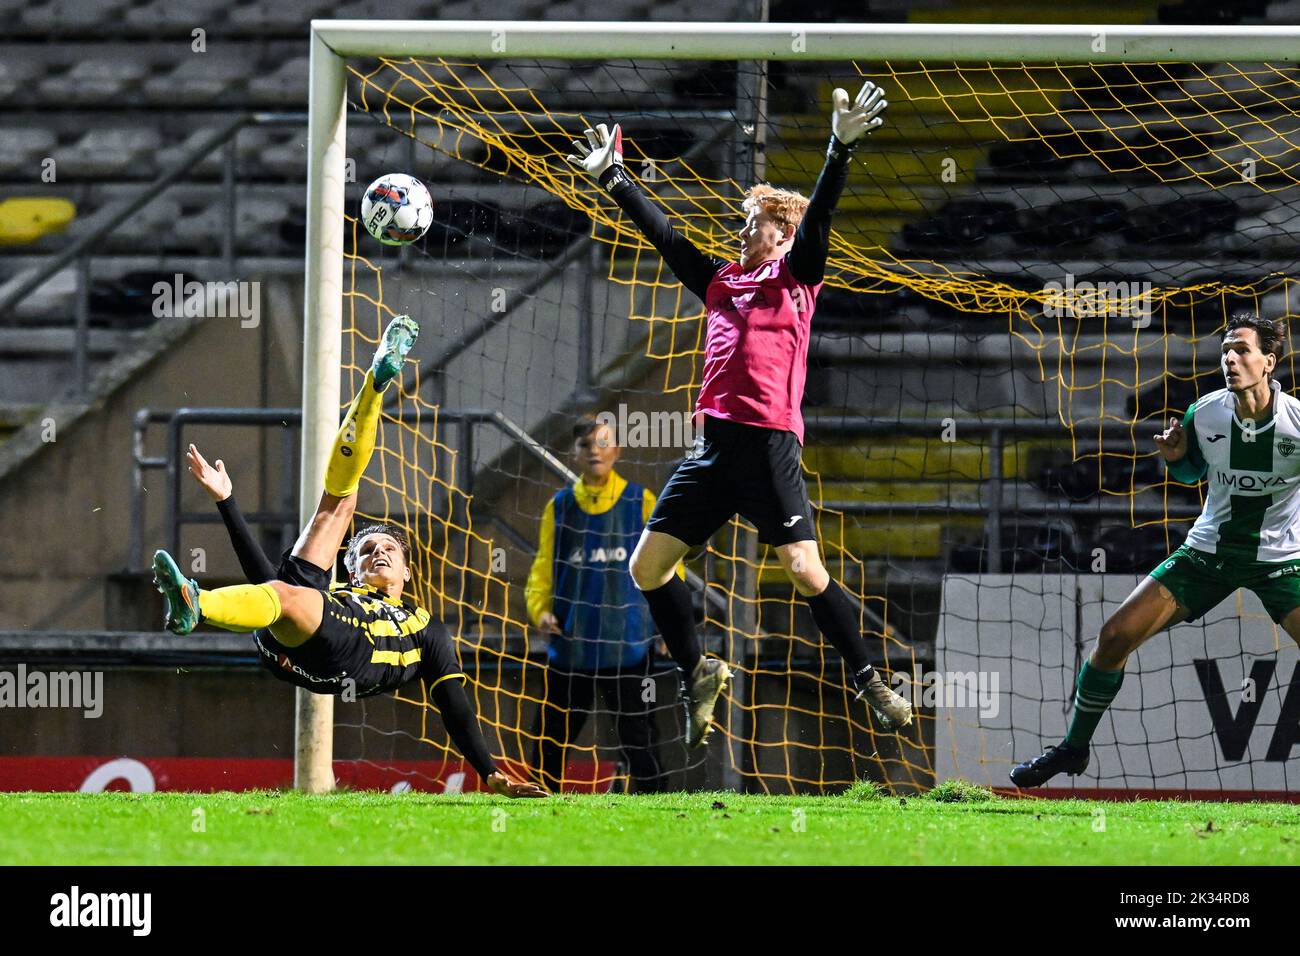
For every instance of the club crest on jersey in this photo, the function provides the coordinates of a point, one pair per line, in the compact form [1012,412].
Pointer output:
[1285,447]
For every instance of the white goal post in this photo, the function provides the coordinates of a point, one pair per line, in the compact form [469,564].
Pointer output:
[333,41]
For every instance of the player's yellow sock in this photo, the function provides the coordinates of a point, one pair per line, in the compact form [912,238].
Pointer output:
[355,442]
[240,607]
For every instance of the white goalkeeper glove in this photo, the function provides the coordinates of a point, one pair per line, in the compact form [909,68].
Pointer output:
[849,124]
[604,153]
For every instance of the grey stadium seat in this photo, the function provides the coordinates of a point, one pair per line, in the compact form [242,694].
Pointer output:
[286,85]
[66,15]
[184,14]
[248,146]
[18,73]
[279,17]
[385,10]
[22,149]
[257,222]
[94,81]
[124,153]
[200,78]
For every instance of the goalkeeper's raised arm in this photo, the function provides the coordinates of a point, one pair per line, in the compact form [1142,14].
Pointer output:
[602,158]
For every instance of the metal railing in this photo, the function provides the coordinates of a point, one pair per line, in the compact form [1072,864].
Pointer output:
[80,252]
[171,464]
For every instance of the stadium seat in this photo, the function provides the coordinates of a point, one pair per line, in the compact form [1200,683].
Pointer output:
[385,10]
[22,149]
[1071,223]
[250,143]
[17,72]
[286,86]
[962,222]
[199,79]
[283,18]
[150,229]
[688,10]
[27,219]
[257,220]
[1276,229]
[64,16]
[1180,222]
[124,152]
[617,84]
[286,156]
[1282,11]
[94,81]
[597,10]
[183,14]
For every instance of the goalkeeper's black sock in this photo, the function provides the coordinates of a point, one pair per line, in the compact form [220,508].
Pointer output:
[836,615]
[670,606]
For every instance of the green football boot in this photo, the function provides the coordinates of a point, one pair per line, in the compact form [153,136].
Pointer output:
[394,345]
[181,594]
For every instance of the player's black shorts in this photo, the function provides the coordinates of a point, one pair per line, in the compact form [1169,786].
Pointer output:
[737,469]
[360,644]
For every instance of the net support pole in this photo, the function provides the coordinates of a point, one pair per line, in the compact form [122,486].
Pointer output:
[313,764]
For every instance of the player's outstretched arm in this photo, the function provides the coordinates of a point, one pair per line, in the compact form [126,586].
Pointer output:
[353,446]
[462,726]
[256,566]
[601,157]
[850,123]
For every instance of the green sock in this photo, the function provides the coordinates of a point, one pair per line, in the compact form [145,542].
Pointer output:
[1093,694]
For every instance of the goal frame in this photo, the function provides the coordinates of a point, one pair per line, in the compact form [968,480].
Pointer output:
[333,41]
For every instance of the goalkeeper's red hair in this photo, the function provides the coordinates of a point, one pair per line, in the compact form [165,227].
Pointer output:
[785,207]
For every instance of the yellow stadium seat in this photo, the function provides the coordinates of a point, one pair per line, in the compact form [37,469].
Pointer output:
[29,218]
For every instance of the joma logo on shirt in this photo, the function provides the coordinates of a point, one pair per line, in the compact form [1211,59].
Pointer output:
[1251,482]
[598,555]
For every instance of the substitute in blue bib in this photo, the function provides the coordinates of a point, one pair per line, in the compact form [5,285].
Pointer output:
[581,593]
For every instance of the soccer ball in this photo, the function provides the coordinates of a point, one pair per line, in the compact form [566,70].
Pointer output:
[397,209]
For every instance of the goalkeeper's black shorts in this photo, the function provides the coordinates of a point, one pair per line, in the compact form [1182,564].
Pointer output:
[737,469]
[367,643]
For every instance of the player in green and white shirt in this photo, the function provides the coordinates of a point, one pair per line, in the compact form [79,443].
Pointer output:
[1245,441]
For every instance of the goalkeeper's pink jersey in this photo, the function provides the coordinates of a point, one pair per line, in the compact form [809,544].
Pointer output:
[756,348]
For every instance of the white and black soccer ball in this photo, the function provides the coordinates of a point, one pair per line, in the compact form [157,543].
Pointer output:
[397,209]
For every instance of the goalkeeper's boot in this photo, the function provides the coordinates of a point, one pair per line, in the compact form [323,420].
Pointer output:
[394,345]
[706,684]
[180,594]
[1062,758]
[891,710]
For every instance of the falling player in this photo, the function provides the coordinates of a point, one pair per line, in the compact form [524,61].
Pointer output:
[365,635]
[1245,440]
[747,460]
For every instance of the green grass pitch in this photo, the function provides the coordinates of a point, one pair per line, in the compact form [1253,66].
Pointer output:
[271,827]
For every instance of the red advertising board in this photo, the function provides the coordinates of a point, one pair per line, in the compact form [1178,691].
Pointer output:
[208,774]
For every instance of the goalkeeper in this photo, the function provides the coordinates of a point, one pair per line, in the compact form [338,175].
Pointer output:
[759,310]
[366,633]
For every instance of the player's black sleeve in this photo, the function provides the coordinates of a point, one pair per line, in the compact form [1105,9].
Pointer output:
[257,567]
[692,267]
[812,241]
[462,726]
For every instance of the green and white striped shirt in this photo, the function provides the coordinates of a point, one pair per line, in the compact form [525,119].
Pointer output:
[1253,470]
